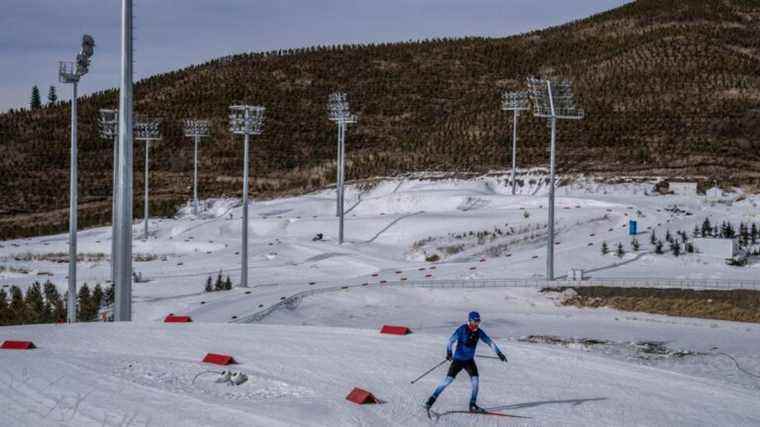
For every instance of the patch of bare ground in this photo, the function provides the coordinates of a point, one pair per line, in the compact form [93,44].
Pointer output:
[734,305]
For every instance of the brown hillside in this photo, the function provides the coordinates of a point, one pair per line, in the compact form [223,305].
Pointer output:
[668,87]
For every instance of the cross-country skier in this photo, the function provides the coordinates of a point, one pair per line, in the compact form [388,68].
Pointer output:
[466,337]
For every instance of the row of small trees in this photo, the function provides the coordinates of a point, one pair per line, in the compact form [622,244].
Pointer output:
[44,304]
[219,284]
[748,234]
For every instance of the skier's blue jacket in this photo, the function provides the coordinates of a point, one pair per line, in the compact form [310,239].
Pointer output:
[467,341]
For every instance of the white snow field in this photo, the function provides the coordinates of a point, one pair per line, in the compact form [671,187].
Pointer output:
[303,359]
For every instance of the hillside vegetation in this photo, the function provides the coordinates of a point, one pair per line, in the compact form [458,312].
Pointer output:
[668,86]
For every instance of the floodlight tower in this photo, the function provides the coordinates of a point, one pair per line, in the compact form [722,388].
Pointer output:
[123,286]
[515,102]
[553,100]
[246,120]
[196,129]
[72,72]
[339,113]
[147,130]
[109,129]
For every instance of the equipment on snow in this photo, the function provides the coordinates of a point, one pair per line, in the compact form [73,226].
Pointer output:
[432,414]
[225,377]
[428,371]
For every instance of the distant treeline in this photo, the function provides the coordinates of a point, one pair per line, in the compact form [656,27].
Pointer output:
[44,304]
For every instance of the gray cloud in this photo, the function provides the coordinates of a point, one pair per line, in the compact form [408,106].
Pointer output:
[170,34]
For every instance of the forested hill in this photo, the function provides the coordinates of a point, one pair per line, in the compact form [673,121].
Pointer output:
[669,87]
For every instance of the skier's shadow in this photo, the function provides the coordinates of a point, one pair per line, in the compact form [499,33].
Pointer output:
[573,402]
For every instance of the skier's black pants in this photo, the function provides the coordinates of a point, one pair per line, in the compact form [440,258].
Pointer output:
[457,366]
[454,370]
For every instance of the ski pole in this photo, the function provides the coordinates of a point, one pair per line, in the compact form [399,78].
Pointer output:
[429,371]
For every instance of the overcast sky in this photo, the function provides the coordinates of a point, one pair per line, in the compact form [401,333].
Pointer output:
[171,34]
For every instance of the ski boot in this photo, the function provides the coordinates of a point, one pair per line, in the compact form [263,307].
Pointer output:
[430,402]
[474,408]
[428,405]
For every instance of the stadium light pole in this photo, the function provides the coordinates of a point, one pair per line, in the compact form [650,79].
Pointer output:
[515,102]
[109,129]
[196,129]
[123,287]
[246,120]
[337,105]
[553,100]
[72,72]
[147,130]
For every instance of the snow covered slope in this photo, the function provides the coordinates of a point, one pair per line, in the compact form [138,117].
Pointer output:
[303,361]
[141,374]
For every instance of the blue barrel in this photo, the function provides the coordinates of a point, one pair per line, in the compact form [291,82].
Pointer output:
[632,228]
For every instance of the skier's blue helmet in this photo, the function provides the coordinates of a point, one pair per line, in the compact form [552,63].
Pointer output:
[474,315]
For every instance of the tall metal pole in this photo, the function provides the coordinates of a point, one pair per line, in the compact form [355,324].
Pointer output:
[114,209]
[123,286]
[341,190]
[244,251]
[550,243]
[514,151]
[195,177]
[339,171]
[71,311]
[147,187]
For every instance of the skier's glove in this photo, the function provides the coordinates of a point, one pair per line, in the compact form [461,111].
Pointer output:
[449,357]
[502,357]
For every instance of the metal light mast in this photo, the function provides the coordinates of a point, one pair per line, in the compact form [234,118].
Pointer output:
[515,102]
[72,72]
[196,129]
[147,130]
[109,129]
[553,100]
[337,105]
[246,120]
[123,264]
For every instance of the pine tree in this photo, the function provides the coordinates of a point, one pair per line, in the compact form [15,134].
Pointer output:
[743,233]
[110,295]
[620,252]
[52,96]
[35,304]
[689,247]
[706,227]
[227,284]
[658,247]
[668,236]
[209,286]
[35,103]
[219,285]
[754,233]
[59,309]
[635,244]
[17,307]
[4,310]
[675,248]
[653,238]
[605,248]
[696,231]
[98,299]
[83,303]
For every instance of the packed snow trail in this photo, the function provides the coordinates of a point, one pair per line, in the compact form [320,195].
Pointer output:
[141,374]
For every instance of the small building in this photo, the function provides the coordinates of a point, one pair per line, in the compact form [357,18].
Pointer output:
[718,248]
[683,188]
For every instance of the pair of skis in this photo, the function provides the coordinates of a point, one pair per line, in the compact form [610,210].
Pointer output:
[433,415]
